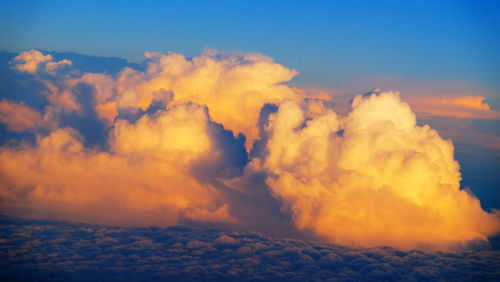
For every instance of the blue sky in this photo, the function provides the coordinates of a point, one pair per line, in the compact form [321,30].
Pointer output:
[327,41]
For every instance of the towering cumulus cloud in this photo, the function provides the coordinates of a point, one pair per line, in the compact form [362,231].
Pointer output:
[234,87]
[209,139]
[144,179]
[376,179]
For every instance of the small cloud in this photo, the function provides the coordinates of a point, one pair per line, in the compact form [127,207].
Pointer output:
[224,239]
[33,61]
[195,244]
[18,116]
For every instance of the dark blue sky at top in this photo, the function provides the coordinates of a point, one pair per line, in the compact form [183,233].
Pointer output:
[327,41]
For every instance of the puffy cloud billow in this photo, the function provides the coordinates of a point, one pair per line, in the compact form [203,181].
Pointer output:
[372,178]
[219,139]
[145,178]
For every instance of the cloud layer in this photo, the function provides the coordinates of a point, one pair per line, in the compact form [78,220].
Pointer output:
[48,250]
[218,139]
[460,107]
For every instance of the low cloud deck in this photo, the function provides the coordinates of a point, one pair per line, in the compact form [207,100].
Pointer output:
[53,251]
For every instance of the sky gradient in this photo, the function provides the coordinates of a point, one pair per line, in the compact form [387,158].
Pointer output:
[328,42]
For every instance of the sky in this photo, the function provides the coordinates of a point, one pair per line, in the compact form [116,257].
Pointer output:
[352,124]
[328,42]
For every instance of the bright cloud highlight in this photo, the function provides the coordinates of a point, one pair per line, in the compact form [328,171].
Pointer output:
[145,179]
[376,179]
[34,61]
[190,140]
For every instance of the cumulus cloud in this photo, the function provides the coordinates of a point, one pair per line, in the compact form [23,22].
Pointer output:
[219,139]
[160,124]
[18,117]
[33,61]
[222,82]
[373,178]
[146,178]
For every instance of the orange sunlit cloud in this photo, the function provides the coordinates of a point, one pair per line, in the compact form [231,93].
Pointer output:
[146,179]
[311,93]
[427,97]
[386,181]
[366,177]
[459,107]
[244,82]
[33,61]
[18,117]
